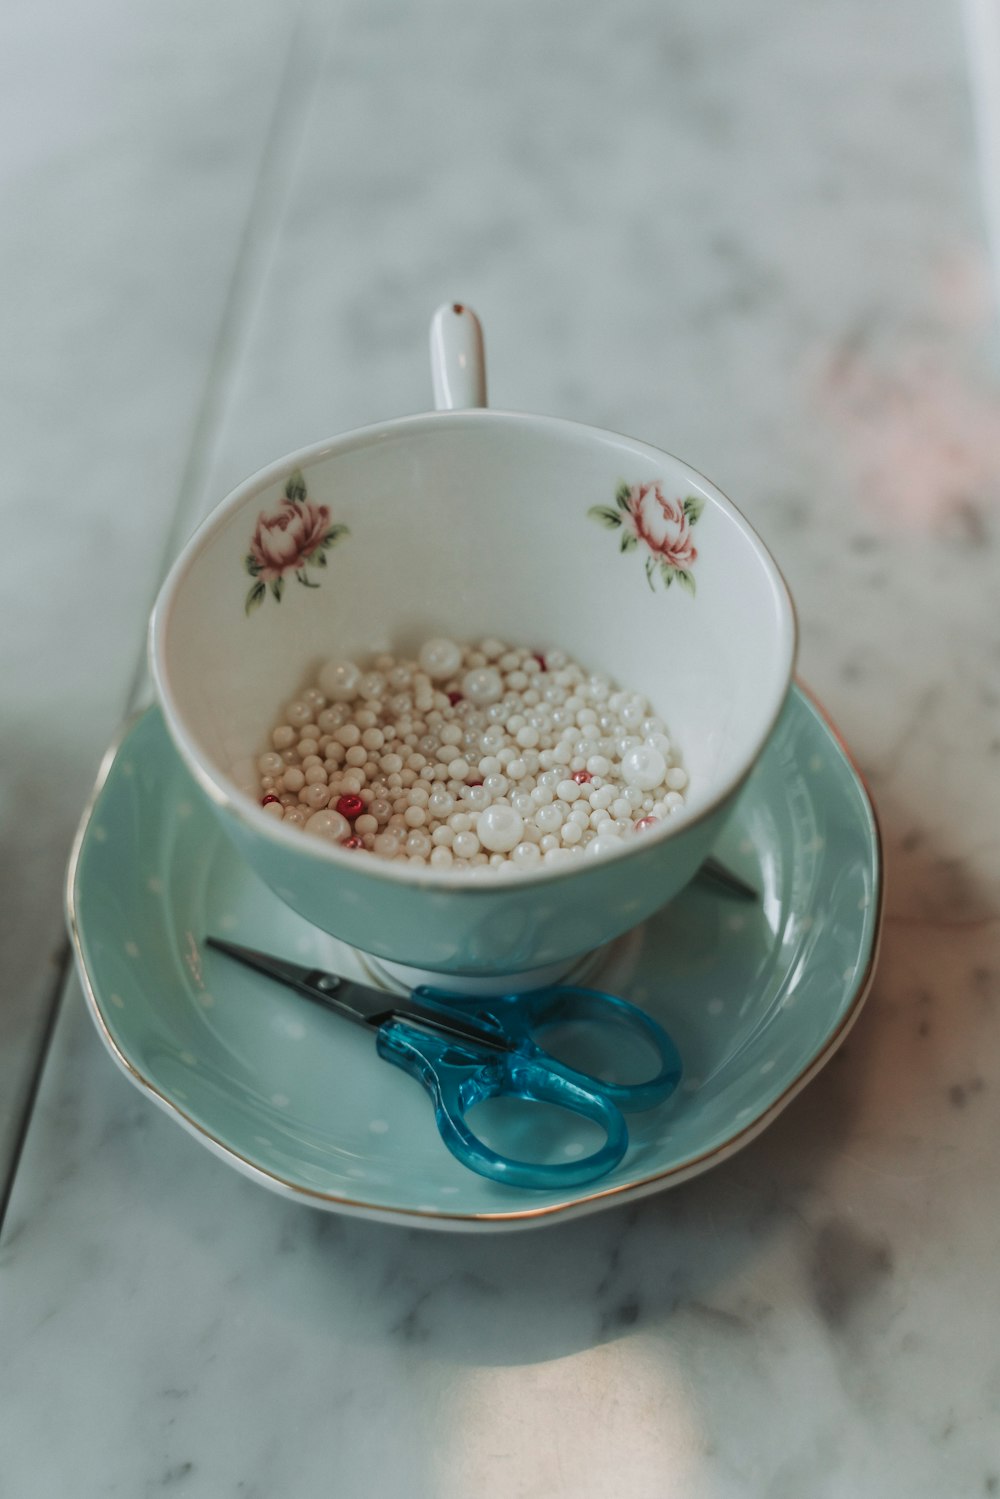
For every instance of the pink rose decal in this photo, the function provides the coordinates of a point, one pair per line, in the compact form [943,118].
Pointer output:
[296,536]
[643,514]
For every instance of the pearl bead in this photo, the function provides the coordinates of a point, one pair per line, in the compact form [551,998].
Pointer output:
[676,778]
[673,800]
[442,857]
[482,685]
[499,828]
[458,769]
[418,844]
[274,809]
[568,790]
[339,680]
[526,854]
[466,845]
[283,737]
[329,825]
[270,764]
[644,766]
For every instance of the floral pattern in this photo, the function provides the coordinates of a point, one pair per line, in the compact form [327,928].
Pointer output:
[644,516]
[292,538]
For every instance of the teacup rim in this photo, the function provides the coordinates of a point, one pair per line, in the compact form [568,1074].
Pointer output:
[226,794]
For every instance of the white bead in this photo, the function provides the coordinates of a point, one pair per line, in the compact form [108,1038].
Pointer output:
[483,685]
[602,797]
[644,766]
[283,737]
[440,803]
[340,680]
[365,824]
[527,737]
[604,843]
[571,831]
[415,817]
[270,764]
[676,778]
[440,658]
[548,819]
[466,845]
[598,765]
[517,769]
[458,769]
[293,779]
[557,855]
[275,810]
[418,844]
[442,856]
[499,828]
[673,800]
[329,825]
[568,791]
[548,843]
[526,854]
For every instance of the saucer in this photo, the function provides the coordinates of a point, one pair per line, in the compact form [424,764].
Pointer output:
[757,997]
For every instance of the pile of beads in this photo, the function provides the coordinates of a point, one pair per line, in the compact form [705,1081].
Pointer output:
[470,758]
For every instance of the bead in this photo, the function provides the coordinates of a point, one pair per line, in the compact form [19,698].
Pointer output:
[581,777]
[440,659]
[418,843]
[293,779]
[283,737]
[350,805]
[442,856]
[483,685]
[415,817]
[499,828]
[274,808]
[270,764]
[644,766]
[340,680]
[266,801]
[645,823]
[676,778]
[568,790]
[466,845]
[353,842]
[329,825]
[366,824]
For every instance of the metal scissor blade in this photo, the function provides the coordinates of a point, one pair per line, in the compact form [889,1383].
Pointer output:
[354,1001]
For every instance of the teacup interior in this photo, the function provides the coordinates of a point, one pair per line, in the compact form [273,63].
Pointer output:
[475,524]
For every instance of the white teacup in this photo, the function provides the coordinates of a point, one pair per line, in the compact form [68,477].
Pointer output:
[467,522]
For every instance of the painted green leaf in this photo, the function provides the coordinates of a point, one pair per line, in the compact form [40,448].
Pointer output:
[255,597]
[686,580]
[252,566]
[693,506]
[650,564]
[667,573]
[278,588]
[622,495]
[317,558]
[301,576]
[605,516]
[629,541]
[295,488]
[335,534]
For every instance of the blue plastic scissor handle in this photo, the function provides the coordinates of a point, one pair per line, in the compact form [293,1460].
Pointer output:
[460,1074]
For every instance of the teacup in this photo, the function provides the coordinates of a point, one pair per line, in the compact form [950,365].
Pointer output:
[468,522]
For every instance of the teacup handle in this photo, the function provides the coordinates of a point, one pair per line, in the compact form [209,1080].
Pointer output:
[458,364]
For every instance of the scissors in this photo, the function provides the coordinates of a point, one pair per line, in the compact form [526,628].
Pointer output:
[466,1050]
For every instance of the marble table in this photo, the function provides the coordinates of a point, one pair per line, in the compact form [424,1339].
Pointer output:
[752,235]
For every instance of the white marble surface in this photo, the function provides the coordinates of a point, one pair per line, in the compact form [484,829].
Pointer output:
[754,237]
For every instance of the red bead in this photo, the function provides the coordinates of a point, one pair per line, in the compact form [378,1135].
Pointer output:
[473,783]
[646,822]
[269,798]
[454,697]
[353,842]
[350,806]
[581,777]
[541,661]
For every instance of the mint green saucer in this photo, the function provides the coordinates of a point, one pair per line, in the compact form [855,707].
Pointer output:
[757,997]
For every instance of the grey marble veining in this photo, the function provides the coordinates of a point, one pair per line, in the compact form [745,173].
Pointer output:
[751,236]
